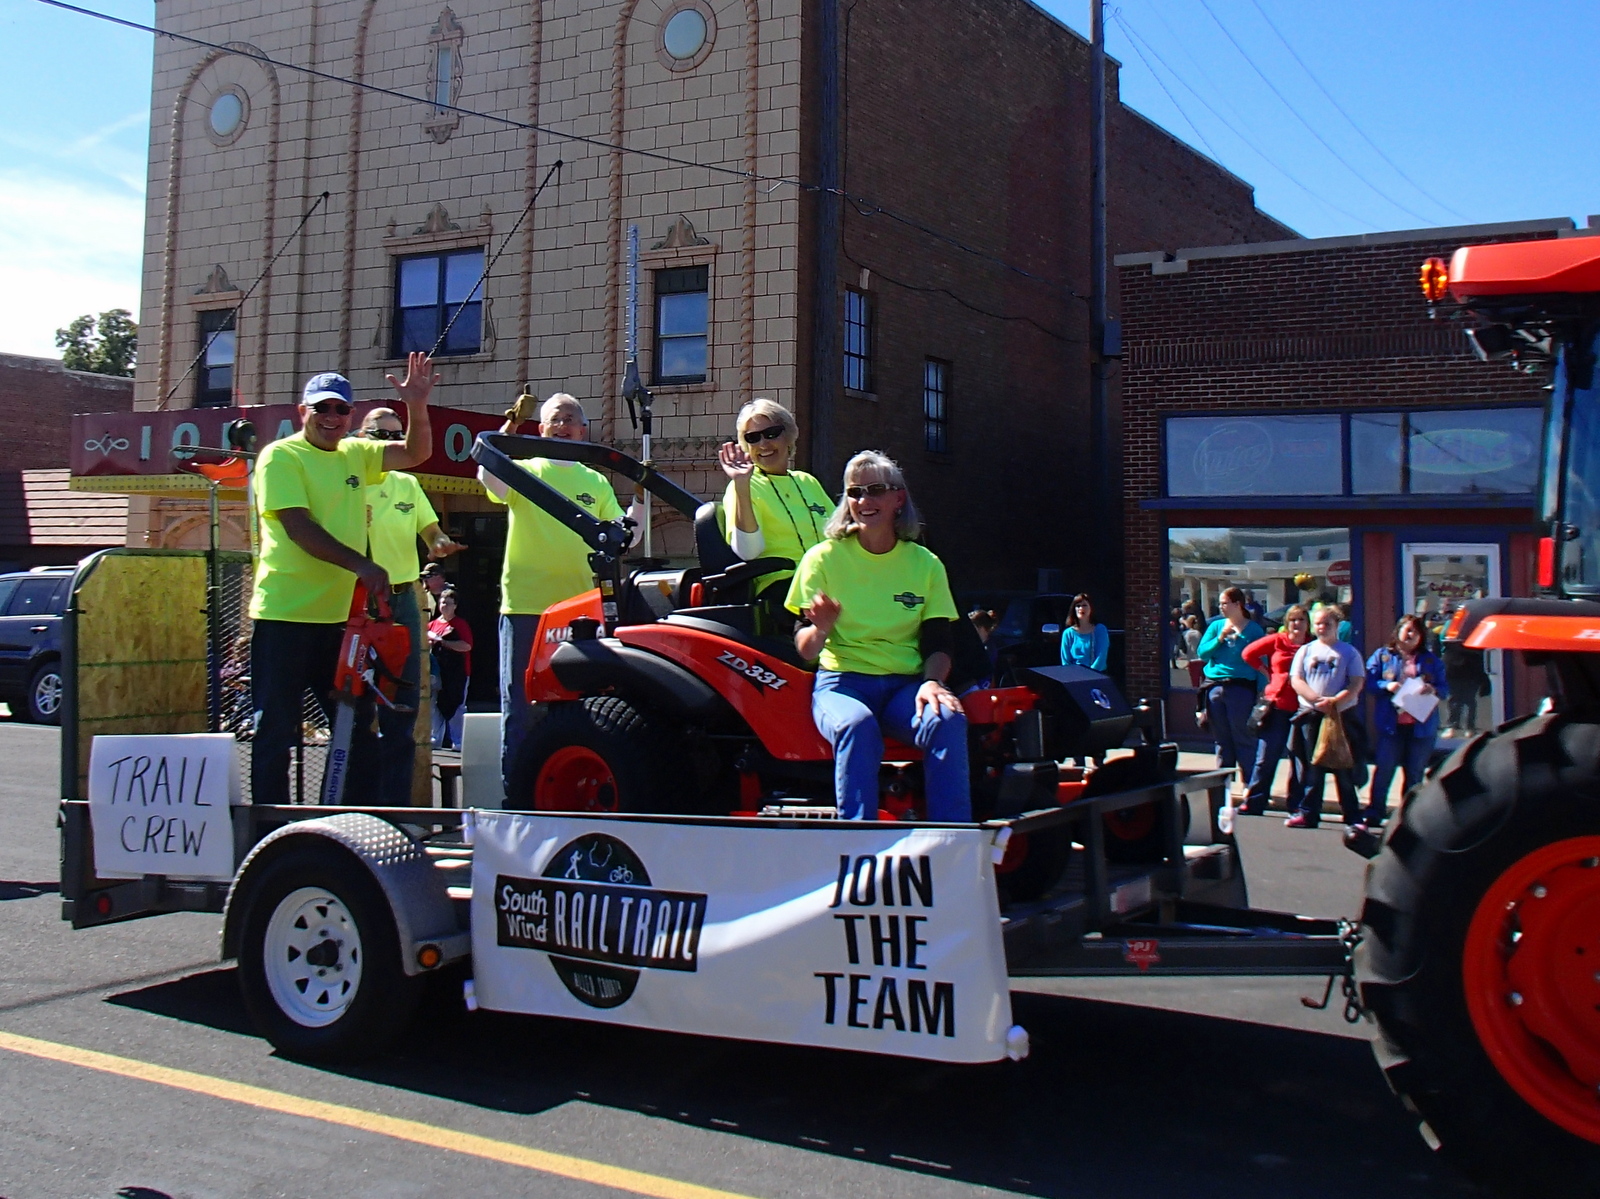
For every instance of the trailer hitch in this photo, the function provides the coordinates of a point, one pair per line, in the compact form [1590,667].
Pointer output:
[1349,938]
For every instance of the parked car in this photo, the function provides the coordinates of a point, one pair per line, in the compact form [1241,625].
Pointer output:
[31,604]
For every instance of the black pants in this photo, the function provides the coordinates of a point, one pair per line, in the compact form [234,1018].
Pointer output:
[1303,741]
[287,659]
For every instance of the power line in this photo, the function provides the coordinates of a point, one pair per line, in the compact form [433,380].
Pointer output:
[1181,112]
[865,205]
[1377,148]
[1227,124]
[965,303]
[1327,145]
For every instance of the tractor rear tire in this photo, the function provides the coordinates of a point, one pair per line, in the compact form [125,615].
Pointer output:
[603,754]
[1480,952]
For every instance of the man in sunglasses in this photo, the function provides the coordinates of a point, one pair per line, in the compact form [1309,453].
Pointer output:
[398,512]
[545,562]
[311,499]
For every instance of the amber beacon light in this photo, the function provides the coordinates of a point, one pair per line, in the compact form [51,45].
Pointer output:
[1435,279]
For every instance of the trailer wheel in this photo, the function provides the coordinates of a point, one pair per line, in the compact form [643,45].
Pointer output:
[1480,958]
[319,958]
[601,754]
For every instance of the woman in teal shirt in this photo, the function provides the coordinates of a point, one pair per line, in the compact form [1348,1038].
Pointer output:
[1229,684]
[1083,642]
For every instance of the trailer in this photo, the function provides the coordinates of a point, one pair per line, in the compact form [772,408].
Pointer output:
[772,922]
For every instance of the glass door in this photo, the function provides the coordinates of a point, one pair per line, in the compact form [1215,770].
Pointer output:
[1439,577]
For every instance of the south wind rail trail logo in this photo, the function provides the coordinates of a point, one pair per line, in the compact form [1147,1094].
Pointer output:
[909,600]
[597,916]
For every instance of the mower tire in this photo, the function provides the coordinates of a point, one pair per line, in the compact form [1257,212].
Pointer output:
[1480,958]
[603,754]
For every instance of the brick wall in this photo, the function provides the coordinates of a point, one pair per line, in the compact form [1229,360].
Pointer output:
[38,399]
[1337,322]
[972,118]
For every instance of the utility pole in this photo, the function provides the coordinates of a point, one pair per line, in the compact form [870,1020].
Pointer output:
[1100,473]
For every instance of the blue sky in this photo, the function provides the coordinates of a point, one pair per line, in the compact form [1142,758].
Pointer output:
[1452,113]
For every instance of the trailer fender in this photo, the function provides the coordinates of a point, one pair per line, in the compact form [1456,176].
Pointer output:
[415,890]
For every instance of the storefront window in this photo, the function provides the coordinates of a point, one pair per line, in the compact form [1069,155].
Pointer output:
[1486,450]
[1273,567]
[1377,463]
[1258,455]
[1468,451]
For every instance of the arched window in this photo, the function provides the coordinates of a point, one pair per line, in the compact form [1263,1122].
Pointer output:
[444,75]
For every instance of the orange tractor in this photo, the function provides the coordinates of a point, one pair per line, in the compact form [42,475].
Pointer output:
[1480,951]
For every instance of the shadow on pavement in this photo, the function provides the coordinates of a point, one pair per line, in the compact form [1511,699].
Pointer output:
[1115,1101]
[16,890]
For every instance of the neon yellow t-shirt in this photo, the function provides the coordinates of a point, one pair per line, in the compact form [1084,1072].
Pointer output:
[331,485]
[397,512]
[546,562]
[883,600]
[791,511]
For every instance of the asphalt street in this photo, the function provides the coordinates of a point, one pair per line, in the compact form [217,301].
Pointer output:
[1193,1088]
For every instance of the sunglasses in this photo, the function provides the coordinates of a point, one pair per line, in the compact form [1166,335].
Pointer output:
[331,408]
[862,491]
[385,434]
[772,433]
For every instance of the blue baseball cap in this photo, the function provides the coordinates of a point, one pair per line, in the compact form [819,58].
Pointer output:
[327,386]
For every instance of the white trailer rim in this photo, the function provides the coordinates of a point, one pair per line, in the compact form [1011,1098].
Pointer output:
[313,957]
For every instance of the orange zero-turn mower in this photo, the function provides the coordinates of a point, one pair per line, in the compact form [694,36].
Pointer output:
[1480,951]
[680,691]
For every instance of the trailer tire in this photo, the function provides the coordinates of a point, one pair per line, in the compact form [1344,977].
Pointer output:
[1511,820]
[602,754]
[310,1008]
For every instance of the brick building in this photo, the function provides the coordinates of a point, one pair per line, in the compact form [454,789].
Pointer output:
[42,523]
[969,118]
[1297,426]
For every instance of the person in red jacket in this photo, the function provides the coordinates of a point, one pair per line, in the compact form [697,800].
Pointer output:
[1272,655]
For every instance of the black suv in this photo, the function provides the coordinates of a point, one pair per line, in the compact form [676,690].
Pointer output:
[30,641]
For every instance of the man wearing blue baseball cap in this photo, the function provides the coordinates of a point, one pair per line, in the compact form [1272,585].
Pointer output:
[311,496]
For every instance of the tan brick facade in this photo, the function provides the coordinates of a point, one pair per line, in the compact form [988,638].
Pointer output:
[968,116]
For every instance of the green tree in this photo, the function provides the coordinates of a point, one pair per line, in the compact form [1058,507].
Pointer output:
[109,349]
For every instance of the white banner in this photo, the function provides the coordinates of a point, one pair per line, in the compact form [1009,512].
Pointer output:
[159,805]
[883,940]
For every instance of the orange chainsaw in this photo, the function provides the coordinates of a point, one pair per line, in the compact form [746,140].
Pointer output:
[371,658]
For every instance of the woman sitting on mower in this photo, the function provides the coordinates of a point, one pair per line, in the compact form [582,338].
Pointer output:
[769,510]
[878,612]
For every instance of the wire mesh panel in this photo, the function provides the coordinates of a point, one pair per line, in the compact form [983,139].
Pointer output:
[234,711]
[158,641]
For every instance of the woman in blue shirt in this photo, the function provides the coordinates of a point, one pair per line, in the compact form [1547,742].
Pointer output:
[1229,683]
[1403,741]
[1084,643]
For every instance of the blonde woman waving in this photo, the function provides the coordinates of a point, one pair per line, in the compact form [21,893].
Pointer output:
[770,510]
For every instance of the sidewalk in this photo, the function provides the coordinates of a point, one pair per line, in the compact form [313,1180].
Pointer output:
[1280,785]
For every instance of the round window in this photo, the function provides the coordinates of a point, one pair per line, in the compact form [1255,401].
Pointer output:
[227,114]
[684,34]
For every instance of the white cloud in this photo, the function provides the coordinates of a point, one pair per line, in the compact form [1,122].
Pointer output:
[67,249]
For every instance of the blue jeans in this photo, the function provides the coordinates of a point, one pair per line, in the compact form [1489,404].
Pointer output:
[288,658]
[1270,748]
[1228,705]
[1401,749]
[853,711]
[516,650]
[397,730]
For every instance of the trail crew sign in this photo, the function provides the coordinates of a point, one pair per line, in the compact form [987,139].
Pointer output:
[159,805]
[880,939]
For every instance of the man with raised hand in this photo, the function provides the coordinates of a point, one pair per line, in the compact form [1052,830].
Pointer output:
[310,495]
[545,561]
[398,512]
